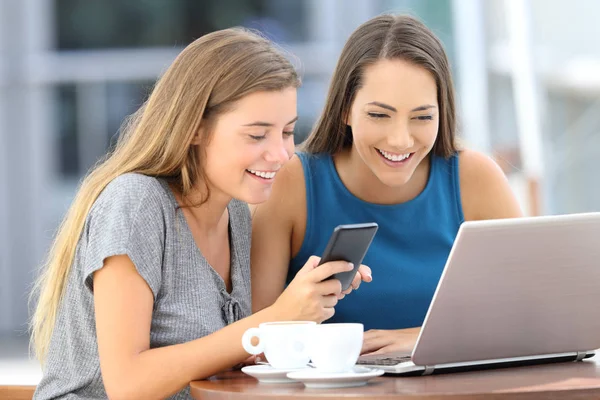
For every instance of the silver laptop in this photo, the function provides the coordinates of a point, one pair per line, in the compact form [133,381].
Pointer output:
[513,292]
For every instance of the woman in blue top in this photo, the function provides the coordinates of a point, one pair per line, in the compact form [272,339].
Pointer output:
[383,150]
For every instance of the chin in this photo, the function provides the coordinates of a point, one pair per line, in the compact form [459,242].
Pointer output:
[255,197]
[393,179]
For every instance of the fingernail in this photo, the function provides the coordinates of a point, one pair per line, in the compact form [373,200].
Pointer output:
[350,266]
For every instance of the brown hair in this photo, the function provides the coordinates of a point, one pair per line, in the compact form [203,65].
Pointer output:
[384,37]
[205,80]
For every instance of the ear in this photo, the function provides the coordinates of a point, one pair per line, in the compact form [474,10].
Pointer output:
[197,139]
[348,117]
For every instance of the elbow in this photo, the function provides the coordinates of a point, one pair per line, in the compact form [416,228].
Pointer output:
[124,389]
[120,391]
[131,386]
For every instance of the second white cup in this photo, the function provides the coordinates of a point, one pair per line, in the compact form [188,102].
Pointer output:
[335,348]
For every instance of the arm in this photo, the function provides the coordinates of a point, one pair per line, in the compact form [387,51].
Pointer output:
[123,305]
[130,369]
[275,224]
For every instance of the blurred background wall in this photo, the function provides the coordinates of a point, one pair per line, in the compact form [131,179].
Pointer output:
[527,76]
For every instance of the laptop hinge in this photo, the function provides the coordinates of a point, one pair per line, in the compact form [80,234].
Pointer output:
[581,355]
[428,370]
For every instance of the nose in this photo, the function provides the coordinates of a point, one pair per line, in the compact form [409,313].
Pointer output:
[277,151]
[401,138]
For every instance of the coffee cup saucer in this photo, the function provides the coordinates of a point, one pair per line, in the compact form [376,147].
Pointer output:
[266,373]
[315,379]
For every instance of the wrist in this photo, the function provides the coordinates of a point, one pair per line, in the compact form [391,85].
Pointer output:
[272,314]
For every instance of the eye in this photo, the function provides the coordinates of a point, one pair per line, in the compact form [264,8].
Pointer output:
[254,137]
[425,117]
[377,115]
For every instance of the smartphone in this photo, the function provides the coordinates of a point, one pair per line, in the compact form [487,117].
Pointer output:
[349,243]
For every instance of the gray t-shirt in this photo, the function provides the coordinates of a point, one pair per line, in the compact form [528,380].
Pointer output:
[138,216]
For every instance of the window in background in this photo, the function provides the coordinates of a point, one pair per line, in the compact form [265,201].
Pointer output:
[103,24]
[572,150]
[123,99]
[65,105]
[504,134]
[89,118]
[311,100]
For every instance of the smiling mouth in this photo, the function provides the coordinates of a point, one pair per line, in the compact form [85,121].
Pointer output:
[266,176]
[394,157]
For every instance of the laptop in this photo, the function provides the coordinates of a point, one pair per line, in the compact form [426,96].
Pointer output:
[513,292]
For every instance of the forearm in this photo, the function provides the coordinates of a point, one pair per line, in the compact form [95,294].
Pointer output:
[267,285]
[264,300]
[160,372]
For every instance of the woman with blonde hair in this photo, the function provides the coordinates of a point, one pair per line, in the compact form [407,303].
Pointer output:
[147,285]
[383,150]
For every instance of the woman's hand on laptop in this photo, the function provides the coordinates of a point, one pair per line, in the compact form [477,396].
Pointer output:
[363,275]
[380,341]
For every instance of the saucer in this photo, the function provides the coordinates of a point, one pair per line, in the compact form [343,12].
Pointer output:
[267,374]
[313,378]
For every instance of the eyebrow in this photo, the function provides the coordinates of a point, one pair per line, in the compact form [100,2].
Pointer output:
[388,107]
[268,124]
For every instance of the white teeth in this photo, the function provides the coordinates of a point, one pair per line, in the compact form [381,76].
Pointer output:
[262,174]
[393,157]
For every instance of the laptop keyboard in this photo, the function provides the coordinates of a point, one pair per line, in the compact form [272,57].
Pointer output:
[385,360]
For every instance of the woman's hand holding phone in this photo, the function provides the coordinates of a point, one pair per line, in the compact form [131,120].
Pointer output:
[311,296]
[321,282]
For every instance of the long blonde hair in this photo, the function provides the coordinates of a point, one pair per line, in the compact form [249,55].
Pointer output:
[204,81]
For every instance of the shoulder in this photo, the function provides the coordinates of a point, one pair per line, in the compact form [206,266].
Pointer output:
[289,186]
[476,167]
[294,169]
[301,166]
[288,194]
[132,186]
[131,193]
[485,191]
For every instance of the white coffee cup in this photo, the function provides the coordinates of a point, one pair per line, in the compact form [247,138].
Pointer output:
[335,348]
[284,343]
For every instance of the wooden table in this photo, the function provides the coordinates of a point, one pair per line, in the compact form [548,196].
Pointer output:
[16,392]
[565,381]
[558,381]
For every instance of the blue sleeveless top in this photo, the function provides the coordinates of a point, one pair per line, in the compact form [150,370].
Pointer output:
[408,253]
